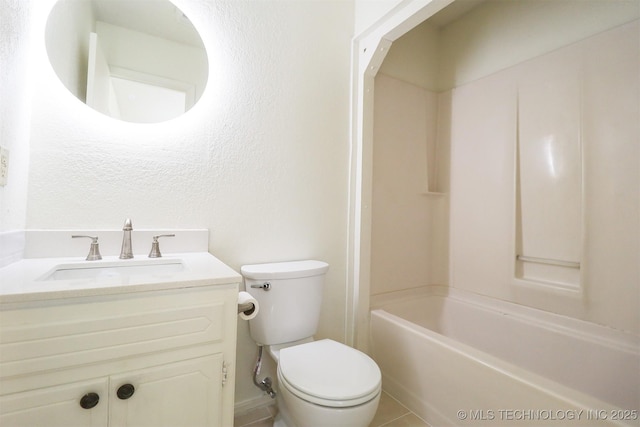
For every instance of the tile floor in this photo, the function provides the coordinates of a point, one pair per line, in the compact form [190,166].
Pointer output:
[390,414]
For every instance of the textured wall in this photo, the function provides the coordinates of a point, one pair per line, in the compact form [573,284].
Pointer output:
[261,160]
[14,109]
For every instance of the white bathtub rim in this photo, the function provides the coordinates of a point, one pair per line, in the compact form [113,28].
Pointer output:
[579,400]
[588,331]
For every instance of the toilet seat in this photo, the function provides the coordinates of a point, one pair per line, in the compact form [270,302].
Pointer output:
[328,373]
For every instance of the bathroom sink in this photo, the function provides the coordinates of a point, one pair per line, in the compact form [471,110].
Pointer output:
[114,269]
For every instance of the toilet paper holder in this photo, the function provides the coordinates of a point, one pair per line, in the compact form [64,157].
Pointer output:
[246,308]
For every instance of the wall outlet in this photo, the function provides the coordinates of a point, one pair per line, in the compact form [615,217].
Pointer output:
[4,166]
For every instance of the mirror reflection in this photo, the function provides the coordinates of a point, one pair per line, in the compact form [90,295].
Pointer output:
[139,61]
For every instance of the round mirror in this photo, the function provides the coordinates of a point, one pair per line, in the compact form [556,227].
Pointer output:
[139,61]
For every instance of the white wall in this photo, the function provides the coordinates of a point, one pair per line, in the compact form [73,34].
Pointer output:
[261,161]
[496,35]
[14,110]
[483,134]
[368,12]
[606,69]
[414,58]
[501,33]
[410,186]
[487,125]
[181,62]
[67,39]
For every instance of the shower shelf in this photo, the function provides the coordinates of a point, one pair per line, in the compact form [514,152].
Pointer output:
[560,263]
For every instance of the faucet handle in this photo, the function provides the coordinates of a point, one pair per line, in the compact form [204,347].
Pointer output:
[94,250]
[155,245]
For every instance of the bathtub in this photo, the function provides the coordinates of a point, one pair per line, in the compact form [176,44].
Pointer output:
[456,358]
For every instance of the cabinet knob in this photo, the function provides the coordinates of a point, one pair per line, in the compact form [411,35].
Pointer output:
[89,400]
[125,391]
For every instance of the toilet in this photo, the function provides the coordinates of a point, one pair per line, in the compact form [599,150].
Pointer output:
[321,383]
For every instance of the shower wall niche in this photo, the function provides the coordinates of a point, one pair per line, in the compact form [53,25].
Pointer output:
[505,158]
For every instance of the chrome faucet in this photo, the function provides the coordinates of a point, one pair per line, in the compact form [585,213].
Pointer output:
[94,251]
[155,245]
[127,251]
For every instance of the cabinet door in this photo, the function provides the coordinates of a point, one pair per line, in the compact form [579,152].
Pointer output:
[57,406]
[187,393]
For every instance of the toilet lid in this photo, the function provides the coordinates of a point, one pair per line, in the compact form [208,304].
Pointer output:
[329,373]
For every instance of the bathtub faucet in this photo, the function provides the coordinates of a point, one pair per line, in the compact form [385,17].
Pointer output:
[127,251]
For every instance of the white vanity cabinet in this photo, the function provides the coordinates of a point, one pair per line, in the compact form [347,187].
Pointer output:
[150,358]
[56,406]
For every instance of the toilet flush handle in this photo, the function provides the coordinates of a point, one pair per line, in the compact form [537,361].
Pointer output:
[265,286]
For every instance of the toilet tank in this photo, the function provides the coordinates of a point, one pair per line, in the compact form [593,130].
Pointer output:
[289,295]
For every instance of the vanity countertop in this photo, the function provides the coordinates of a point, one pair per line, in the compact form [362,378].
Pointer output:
[27,279]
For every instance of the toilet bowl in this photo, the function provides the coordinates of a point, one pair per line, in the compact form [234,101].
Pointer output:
[320,383]
[325,383]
